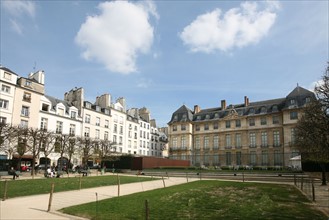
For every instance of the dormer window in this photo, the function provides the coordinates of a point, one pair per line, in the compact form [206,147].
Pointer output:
[73,114]
[274,108]
[98,108]
[198,117]
[307,100]
[251,111]
[216,115]
[88,105]
[292,102]
[45,107]
[7,75]
[207,116]
[28,83]
[175,117]
[60,111]
[263,110]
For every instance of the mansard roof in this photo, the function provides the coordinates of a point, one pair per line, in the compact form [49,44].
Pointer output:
[299,94]
[7,70]
[54,101]
[183,114]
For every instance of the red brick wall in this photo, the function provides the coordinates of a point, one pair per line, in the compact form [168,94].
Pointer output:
[140,163]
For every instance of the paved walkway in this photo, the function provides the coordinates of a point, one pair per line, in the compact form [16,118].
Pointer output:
[35,207]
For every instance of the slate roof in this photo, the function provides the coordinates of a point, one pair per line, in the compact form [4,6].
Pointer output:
[54,101]
[299,94]
[7,70]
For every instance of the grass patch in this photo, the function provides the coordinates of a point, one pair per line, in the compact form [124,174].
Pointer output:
[205,200]
[41,186]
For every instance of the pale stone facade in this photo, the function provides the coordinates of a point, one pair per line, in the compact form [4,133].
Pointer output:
[244,135]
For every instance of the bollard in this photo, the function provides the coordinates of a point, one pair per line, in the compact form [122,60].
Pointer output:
[80,182]
[118,180]
[6,189]
[164,185]
[96,205]
[186,177]
[313,191]
[147,211]
[51,196]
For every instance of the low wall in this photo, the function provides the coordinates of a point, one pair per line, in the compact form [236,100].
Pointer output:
[140,163]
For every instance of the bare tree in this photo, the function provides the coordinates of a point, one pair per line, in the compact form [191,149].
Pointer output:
[7,138]
[312,130]
[71,148]
[86,145]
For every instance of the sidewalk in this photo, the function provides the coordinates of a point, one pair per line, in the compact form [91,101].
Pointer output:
[35,207]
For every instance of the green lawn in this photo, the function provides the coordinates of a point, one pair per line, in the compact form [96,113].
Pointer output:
[40,186]
[205,200]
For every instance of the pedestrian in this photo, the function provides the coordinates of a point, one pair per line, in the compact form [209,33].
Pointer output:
[13,172]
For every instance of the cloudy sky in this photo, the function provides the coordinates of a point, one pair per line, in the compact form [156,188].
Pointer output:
[163,54]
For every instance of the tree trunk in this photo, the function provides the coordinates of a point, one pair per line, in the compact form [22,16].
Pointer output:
[324,180]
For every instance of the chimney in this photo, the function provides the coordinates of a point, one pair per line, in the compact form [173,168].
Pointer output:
[246,101]
[196,109]
[223,104]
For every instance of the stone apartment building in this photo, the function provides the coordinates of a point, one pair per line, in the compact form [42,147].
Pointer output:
[243,135]
[23,102]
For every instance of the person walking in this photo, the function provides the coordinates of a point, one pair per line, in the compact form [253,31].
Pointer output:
[13,172]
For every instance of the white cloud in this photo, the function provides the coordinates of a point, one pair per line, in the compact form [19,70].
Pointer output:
[238,27]
[117,35]
[19,8]
[16,27]
[144,83]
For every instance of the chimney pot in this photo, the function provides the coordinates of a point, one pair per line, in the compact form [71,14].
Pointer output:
[223,104]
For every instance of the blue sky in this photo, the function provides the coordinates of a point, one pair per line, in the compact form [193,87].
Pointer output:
[163,54]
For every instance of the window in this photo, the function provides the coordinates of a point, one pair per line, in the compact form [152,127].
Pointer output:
[183,142]
[238,158]
[238,123]
[25,111]
[114,139]
[293,115]
[59,127]
[87,132]
[7,75]
[87,119]
[183,127]
[197,143]
[228,158]
[106,135]
[253,158]
[228,141]
[276,138]
[206,143]
[277,158]
[44,123]
[174,127]
[206,127]
[24,124]
[4,104]
[263,110]
[121,129]
[228,124]
[97,134]
[3,120]
[215,125]
[73,114]
[275,119]
[72,129]
[251,122]
[293,136]
[251,111]
[292,102]
[44,107]
[264,139]
[106,125]
[27,97]
[252,139]
[264,158]
[216,142]
[28,83]
[197,127]
[98,121]
[238,140]
[174,142]
[60,111]
[5,89]
[263,121]
[115,128]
